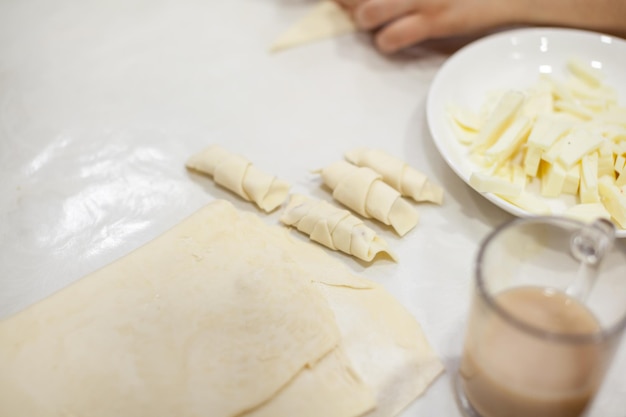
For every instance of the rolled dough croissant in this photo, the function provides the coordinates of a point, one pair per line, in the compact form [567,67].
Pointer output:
[334,228]
[397,173]
[363,190]
[241,177]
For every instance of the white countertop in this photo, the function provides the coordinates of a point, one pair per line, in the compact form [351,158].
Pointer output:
[101,103]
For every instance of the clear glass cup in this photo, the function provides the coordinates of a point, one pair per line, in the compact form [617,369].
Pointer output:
[547,314]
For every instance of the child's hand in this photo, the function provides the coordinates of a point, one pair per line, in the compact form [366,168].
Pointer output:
[401,23]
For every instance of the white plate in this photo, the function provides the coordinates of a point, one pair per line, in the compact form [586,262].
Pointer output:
[514,59]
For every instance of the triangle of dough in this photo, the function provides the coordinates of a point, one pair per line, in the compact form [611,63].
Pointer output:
[326,20]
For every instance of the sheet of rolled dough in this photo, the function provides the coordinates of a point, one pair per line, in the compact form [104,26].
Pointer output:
[206,320]
[139,351]
[326,20]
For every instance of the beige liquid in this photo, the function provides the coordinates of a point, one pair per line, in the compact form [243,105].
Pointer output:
[507,372]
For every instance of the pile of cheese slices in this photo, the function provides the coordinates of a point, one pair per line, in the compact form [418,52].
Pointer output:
[566,136]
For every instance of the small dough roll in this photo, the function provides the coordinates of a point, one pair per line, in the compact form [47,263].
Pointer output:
[240,176]
[362,190]
[397,173]
[334,228]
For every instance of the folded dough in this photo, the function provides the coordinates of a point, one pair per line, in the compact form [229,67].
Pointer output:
[362,190]
[334,228]
[330,388]
[204,320]
[222,315]
[397,173]
[327,19]
[396,360]
[240,176]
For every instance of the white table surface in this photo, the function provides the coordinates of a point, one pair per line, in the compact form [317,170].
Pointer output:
[102,101]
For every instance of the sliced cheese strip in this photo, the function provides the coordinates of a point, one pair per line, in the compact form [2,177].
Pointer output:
[548,128]
[589,179]
[552,179]
[529,202]
[510,140]
[614,199]
[237,174]
[580,142]
[464,135]
[532,158]
[615,115]
[499,119]
[464,117]
[362,190]
[326,20]
[486,183]
[333,227]
[402,177]
[587,213]
[572,180]
[174,328]
[605,160]
[589,75]
[538,102]
[621,179]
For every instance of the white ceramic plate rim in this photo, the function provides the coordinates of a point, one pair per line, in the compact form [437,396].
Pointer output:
[514,59]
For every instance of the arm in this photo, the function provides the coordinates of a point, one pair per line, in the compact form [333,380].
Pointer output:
[401,23]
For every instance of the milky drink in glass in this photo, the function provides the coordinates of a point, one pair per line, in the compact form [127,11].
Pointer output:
[546,317]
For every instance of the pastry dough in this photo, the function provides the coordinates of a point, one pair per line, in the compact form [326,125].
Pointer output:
[397,173]
[240,176]
[327,19]
[362,190]
[222,315]
[205,320]
[396,360]
[334,228]
[331,388]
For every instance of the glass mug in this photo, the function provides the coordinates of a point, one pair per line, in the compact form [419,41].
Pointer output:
[547,314]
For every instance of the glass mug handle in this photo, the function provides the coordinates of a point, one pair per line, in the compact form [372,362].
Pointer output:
[589,246]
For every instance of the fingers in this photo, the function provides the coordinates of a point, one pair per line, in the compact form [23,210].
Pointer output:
[374,13]
[403,32]
[350,4]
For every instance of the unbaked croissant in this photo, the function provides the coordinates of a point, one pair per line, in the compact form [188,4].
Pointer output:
[363,190]
[240,176]
[407,180]
[333,227]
